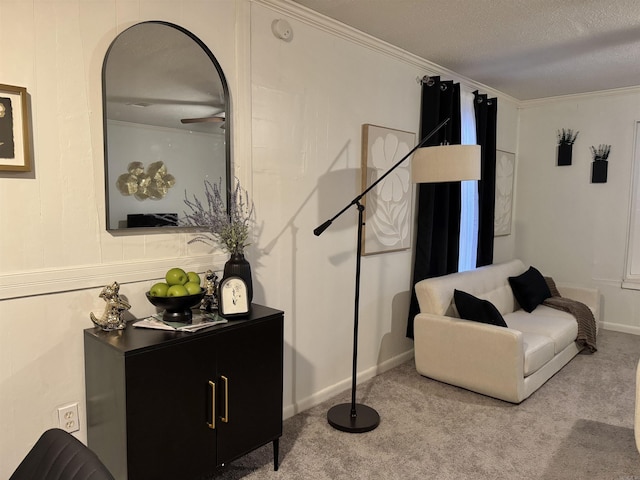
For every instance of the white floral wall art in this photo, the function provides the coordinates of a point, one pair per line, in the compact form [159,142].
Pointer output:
[505,166]
[387,206]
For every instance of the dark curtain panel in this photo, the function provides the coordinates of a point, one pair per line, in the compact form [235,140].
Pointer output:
[486,110]
[438,234]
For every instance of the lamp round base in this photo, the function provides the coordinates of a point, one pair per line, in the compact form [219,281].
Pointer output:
[365,420]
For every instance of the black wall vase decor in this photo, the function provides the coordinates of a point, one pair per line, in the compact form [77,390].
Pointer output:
[566,139]
[599,171]
[565,150]
[600,165]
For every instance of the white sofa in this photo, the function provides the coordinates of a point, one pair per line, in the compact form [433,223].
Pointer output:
[636,424]
[506,363]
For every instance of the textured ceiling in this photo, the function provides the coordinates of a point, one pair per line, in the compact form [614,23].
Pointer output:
[525,48]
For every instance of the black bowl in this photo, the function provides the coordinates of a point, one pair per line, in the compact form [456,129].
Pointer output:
[176,309]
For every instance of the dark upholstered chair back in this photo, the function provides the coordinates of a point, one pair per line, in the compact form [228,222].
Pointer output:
[57,455]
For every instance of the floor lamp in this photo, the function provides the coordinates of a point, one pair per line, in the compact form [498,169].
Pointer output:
[445,163]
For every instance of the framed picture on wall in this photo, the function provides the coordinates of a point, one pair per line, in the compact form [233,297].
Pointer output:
[388,206]
[15,142]
[505,166]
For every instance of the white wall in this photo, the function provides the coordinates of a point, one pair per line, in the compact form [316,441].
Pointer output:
[569,228]
[55,253]
[310,98]
[298,107]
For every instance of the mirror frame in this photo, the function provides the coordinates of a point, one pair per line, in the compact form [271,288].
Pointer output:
[227,132]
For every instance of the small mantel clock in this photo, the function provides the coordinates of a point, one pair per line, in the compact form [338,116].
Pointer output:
[233,300]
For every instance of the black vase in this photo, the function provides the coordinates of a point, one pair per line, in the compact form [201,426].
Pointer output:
[565,151]
[599,171]
[238,266]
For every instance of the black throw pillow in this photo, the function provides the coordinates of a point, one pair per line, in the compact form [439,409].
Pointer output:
[473,308]
[530,289]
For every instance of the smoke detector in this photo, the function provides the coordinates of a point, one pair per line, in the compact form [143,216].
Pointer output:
[282,30]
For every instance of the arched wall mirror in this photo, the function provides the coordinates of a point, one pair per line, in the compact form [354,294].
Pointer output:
[167,124]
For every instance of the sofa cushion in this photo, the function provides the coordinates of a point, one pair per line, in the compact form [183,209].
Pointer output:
[435,295]
[560,327]
[538,350]
[473,308]
[530,289]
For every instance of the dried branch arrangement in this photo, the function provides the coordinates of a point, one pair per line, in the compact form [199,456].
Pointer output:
[601,153]
[567,136]
[230,230]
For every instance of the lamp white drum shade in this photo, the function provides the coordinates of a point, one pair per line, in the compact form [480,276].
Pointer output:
[446,163]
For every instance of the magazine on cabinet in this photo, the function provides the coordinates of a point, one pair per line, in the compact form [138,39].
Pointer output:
[199,321]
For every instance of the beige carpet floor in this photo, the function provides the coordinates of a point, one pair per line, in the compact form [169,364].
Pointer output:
[578,425]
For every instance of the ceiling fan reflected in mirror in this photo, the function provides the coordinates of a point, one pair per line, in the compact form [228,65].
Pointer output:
[218,118]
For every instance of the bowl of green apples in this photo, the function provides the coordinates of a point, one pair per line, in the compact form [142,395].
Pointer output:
[177,295]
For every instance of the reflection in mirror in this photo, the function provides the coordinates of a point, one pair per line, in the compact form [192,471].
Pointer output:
[166,125]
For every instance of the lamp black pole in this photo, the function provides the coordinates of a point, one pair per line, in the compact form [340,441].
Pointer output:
[356,417]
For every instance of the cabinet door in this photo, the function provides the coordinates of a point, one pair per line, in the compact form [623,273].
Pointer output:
[169,402]
[251,360]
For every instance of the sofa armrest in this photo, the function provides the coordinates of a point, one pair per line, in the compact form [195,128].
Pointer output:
[483,358]
[636,425]
[589,296]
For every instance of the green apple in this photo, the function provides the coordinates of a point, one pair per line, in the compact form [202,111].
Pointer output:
[177,291]
[193,277]
[176,276]
[159,290]
[192,287]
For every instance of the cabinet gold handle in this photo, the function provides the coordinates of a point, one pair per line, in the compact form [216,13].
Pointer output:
[225,419]
[212,425]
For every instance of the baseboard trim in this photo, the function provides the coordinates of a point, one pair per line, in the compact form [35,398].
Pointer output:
[333,390]
[618,327]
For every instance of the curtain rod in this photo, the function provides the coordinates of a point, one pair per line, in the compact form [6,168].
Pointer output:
[430,82]
[425,80]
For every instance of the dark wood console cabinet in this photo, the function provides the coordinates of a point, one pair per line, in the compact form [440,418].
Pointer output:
[168,405]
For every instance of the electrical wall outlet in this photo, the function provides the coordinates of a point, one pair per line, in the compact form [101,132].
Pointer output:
[68,419]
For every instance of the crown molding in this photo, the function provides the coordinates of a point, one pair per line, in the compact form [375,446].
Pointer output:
[579,96]
[336,28]
[310,17]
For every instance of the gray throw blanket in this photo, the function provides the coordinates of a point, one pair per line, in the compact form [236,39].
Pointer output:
[586,322]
